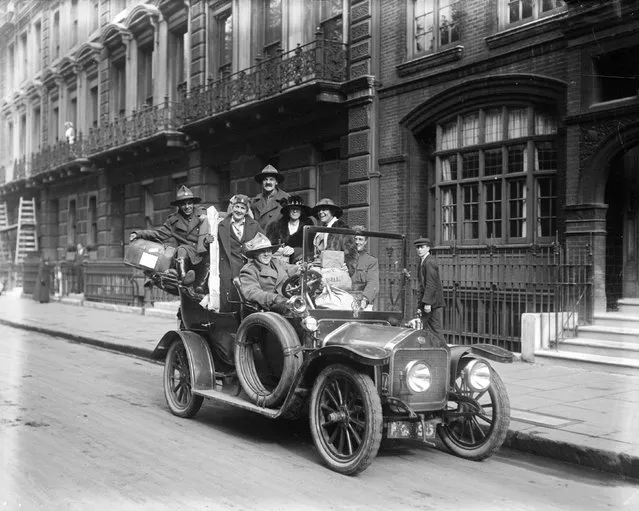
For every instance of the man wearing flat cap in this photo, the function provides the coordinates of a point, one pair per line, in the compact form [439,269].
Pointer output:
[182,229]
[431,295]
[232,232]
[261,279]
[267,205]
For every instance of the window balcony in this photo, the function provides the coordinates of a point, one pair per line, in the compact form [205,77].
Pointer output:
[61,157]
[147,126]
[319,62]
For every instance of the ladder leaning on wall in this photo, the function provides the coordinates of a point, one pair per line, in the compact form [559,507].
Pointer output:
[27,235]
[6,256]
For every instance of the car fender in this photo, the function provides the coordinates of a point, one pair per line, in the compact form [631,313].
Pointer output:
[199,353]
[480,351]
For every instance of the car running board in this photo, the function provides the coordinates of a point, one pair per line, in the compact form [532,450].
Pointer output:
[240,402]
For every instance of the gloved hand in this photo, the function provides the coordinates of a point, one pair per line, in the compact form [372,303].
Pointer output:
[281,307]
[133,236]
[208,239]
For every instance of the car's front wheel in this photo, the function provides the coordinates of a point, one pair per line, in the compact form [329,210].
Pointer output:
[346,419]
[177,382]
[476,423]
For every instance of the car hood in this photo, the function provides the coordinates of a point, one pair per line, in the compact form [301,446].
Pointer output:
[379,341]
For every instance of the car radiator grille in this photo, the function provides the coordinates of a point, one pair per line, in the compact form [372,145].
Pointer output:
[436,395]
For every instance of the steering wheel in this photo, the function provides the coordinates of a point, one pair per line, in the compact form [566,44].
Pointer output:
[293,285]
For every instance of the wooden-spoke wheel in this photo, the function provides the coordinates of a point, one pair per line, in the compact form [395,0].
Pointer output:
[346,419]
[476,423]
[177,382]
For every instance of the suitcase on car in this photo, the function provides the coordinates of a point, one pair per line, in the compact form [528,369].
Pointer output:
[149,255]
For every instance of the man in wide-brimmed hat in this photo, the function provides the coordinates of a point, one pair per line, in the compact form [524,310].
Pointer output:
[262,277]
[430,294]
[267,204]
[182,230]
[329,213]
[233,231]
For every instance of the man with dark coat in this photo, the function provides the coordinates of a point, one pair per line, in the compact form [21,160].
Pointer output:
[431,295]
[232,232]
[262,277]
[267,205]
[182,230]
[366,276]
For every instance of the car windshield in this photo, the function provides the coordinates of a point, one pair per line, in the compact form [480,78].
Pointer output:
[364,268]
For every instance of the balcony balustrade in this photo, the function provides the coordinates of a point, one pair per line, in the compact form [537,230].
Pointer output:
[59,154]
[125,130]
[320,60]
[20,167]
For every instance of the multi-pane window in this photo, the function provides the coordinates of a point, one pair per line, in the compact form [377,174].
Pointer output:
[92,111]
[74,22]
[92,221]
[37,60]
[224,24]
[514,11]
[118,90]
[435,24]
[145,76]
[56,35]
[272,27]
[496,175]
[331,22]
[25,57]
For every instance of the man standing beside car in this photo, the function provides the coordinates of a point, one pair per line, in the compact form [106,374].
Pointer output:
[267,205]
[431,295]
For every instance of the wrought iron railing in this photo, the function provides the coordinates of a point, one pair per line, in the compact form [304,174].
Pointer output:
[487,289]
[123,130]
[319,60]
[20,169]
[57,155]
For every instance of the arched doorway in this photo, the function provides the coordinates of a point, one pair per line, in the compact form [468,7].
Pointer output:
[622,227]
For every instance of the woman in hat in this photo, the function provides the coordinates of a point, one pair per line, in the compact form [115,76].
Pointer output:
[232,232]
[329,213]
[288,230]
[261,279]
[182,230]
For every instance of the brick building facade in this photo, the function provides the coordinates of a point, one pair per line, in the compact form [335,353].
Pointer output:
[487,125]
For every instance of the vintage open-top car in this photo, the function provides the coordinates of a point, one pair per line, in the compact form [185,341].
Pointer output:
[360,375]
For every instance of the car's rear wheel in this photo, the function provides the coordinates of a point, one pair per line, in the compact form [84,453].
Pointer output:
[346,419]
[476,423]
[177,382]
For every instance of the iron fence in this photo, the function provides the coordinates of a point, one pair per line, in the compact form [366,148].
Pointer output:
[141,124]
[318,60]
[57,155]
[487,289]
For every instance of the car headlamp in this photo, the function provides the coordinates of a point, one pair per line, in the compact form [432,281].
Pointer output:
[309,323]
[477,375]
[418,377]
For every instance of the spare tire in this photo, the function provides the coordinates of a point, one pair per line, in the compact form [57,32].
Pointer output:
[267,357]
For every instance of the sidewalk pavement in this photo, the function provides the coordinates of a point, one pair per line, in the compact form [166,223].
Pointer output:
[585,417]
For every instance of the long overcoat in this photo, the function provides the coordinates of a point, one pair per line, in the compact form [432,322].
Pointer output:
[231,257]
[366,277]
[267,210]
[262,283]
[180,231]
[430,285]
[278,233]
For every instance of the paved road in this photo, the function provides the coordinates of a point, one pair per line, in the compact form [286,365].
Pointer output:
[82,428]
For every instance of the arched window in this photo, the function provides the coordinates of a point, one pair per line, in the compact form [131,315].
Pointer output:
[495,176]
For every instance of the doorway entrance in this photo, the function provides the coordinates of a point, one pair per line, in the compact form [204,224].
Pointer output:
[622,226]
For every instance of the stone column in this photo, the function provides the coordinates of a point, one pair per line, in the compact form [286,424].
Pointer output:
[586,226]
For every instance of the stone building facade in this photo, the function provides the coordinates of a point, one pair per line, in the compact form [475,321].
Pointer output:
[486,125]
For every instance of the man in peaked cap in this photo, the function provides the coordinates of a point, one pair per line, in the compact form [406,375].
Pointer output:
[182,229]
[430,294]
[261,279]
[267,205]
